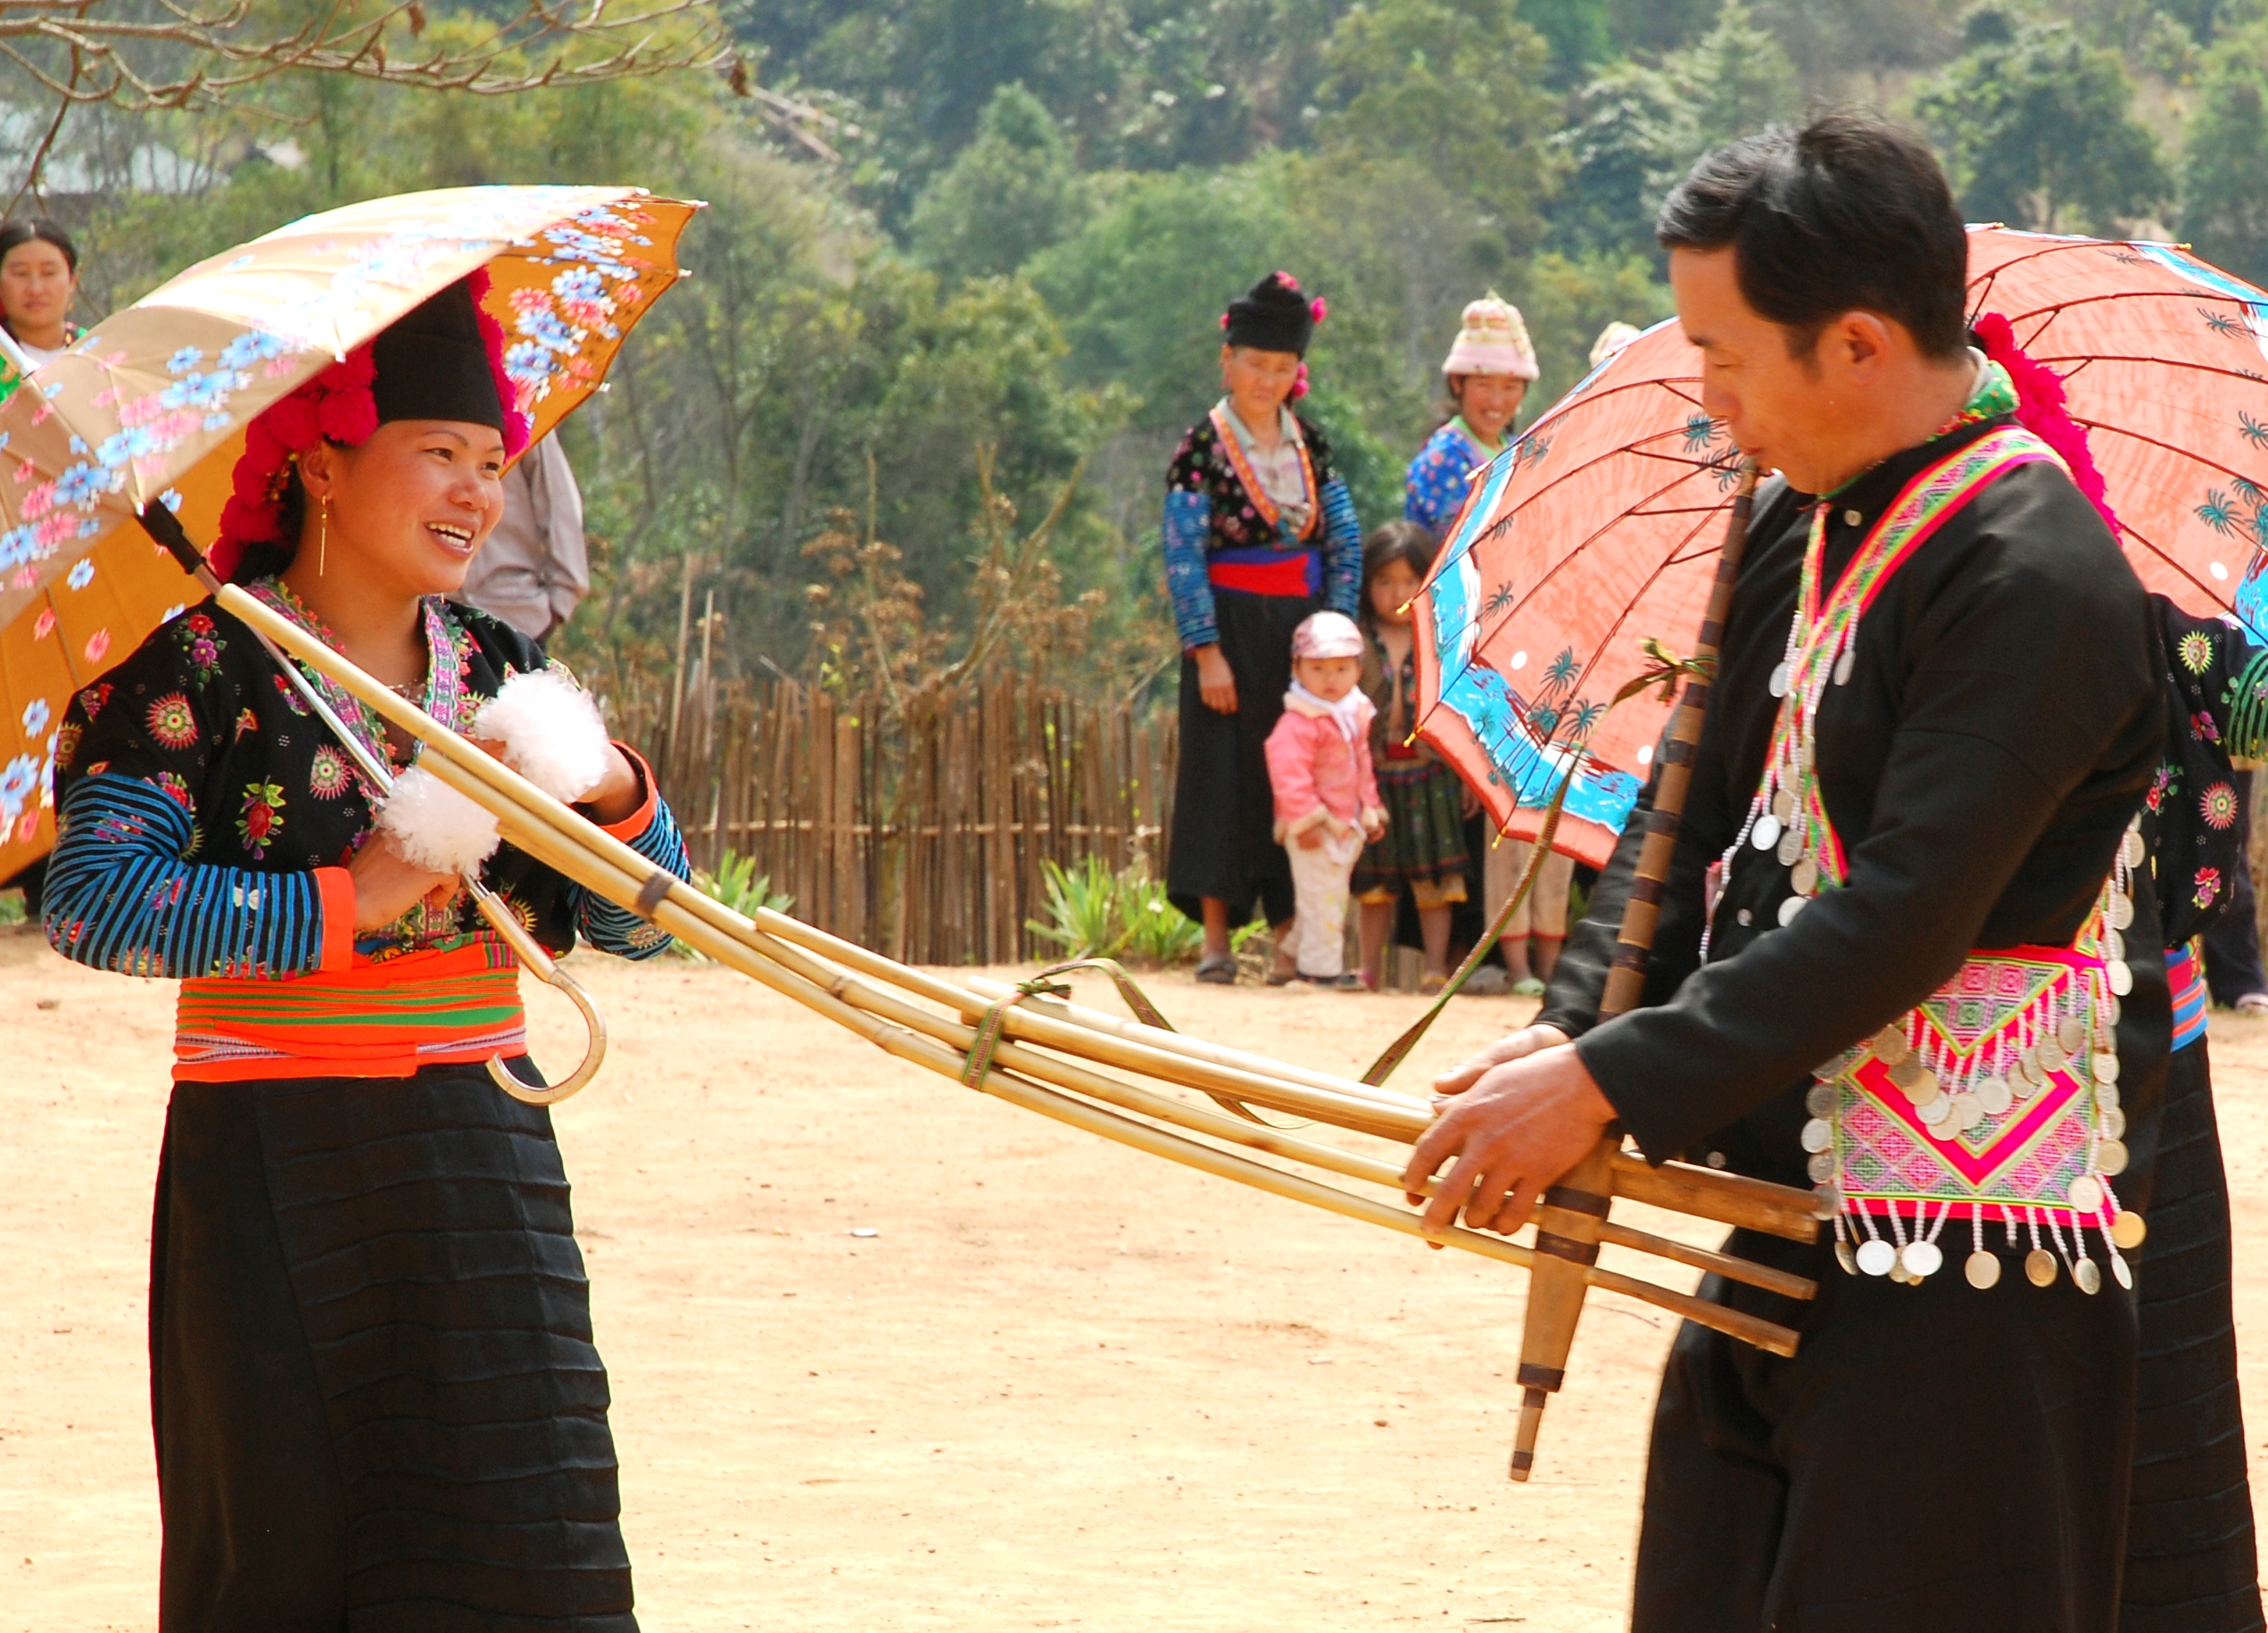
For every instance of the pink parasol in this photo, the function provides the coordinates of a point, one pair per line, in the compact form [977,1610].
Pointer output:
[1597,530]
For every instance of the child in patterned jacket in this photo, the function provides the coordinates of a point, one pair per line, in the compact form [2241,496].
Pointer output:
[1326,794]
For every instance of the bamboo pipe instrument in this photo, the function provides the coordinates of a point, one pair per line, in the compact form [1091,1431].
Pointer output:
[549,845]
[1575,1210]
[559,836]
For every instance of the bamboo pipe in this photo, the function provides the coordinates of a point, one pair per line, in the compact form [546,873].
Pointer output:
[907,1044]
[894,1034]
[1556,1292]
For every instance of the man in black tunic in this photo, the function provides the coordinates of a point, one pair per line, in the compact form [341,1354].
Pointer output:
[1936,1455]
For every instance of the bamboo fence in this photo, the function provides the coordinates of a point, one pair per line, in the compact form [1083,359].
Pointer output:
[926,840]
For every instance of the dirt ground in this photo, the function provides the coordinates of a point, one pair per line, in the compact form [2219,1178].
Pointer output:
[1062,1385]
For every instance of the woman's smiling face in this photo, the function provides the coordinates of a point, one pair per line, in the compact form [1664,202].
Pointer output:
[410,507]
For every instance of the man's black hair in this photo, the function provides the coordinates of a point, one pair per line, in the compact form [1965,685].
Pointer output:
[1849,213]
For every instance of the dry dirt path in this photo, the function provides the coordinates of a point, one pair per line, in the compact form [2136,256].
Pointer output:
[1064,1386]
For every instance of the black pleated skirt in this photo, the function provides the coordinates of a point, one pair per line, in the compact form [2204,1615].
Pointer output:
[376,1400]
[1223,842]
[2191,1559]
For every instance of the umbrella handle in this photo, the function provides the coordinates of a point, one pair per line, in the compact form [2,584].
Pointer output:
[507,925]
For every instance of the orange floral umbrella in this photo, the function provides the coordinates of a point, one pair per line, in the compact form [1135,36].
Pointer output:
[1598,529]
[150,408]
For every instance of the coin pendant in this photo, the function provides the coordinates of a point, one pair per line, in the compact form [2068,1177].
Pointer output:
[2040,1267]
[1995,1096]
[2121,978]
[1826,1202]
[2113,944]
[2111,1157]
[1926,1089]
[2109,1011]
[2128,1230]
[2028,1063]
[1766,832]
[1844,664]
[1922,1259]
[1789,847]
[2121,912]
[1898,1272]
[1937,1111]
[1982,1269]
[1789,908]
[2090,1277]
[2132,848]
[1778,685]
[1845,1257]
[1875,1256]
[2086,1194]
[1891,1046]
[1804,877]
[2111,1124]
[2053,1055]
[2106,1068]
[1820,1099]
[2125,1276]
[2071,1033]
[1967,1112]
[2105,1096]
[1821,1167]
[1784,806]
[1818,1134]
[1907,1070]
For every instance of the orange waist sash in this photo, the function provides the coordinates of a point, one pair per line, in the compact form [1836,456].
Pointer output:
[384,1019]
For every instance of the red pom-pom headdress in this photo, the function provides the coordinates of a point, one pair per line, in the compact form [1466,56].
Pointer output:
[339,406]
[2041,410]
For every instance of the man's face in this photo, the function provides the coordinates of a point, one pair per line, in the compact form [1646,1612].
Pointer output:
[1785,412]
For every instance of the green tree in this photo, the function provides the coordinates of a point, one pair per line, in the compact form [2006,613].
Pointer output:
[2224,210]
[1009,194]
[2036,129]
[1735,79]
[1454,86]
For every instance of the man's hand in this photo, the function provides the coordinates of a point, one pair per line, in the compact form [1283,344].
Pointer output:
[1526,1111]
[1216,681]
[1310,839]
[387,885]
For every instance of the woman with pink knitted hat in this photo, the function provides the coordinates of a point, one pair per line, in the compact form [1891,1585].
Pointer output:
[1487,371]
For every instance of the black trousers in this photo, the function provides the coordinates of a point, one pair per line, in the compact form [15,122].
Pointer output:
[2192,1564]
[1933,1459]
[377,1402]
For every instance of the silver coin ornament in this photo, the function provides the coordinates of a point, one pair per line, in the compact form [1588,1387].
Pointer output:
[1826,1203]
[2105,1096]
[1803,878]
[1875,1256]
[2105,1068]
[2040,1267]
[1844,664]
[2121,912]
[1820,1099]
[1820,1166]
[1766,832]
[1995,1096]
[1845,1257]
[1938,1113]
[2121,978]
[1789,908]
[2132,848]
[1818,1134]
[1967,1112]
[1778,683]
[2053,1056]
[2071,1033]
[2113,944]
[2088,1277]
[2109,1011]
[2111,1124]
[1982,1269]
[1891,1046]
[1789,849]
[1922,1259]
[2111,1157]
[1784,806]
[2085,1194]
[2118,1269]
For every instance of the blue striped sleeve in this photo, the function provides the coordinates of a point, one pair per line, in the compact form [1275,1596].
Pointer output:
[1342,550]
[618,930]
[121,896]
[1189,528]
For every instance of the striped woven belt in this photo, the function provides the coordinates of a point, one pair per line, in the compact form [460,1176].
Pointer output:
[384,1019]
[2190,1002]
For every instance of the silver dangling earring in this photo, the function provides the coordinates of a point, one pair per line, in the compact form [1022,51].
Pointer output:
[323,538]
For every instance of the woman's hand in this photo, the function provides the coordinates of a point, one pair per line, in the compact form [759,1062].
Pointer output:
[387,885]
[1216,681]
[1468,803]
[619,793]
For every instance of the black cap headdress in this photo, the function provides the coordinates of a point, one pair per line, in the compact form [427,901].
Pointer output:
[1273,316]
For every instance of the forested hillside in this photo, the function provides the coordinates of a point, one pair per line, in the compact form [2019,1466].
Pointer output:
[1013,260]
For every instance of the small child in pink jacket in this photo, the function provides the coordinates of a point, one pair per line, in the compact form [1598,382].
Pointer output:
[1326,794]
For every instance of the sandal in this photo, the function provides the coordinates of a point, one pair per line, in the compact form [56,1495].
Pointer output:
[1431,985]
[1217,972]
[1279,976]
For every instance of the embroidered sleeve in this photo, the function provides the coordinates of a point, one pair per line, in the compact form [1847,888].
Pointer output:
[1434,488]
[1342,550]
[651,831]
[1187,530]
[2247,702]
[122,895]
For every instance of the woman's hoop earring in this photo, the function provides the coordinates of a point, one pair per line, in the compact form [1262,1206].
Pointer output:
[323,537]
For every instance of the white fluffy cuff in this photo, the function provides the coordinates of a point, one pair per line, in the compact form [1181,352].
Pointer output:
[434,826]
[551,732]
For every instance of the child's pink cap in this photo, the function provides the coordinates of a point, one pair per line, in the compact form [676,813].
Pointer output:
[1327,634]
